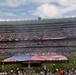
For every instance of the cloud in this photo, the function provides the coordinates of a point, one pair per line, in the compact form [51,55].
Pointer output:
[13,3]
[6,14]
[14,10]
[16,3]
[46,10]
[67,2]
[52,11]
[42,1]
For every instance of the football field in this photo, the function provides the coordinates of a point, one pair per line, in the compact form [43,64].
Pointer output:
[49,65]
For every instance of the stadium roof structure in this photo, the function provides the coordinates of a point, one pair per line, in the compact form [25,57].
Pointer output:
[7,26]
[41,21]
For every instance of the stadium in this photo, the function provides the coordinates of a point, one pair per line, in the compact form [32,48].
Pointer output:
[28,42]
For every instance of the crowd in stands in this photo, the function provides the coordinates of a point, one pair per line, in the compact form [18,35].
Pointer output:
[38,43]
[37,35]
[37,47]
[70,32]
[29,35]
[37,51]
[31,43]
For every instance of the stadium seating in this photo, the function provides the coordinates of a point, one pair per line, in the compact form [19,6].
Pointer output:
[38,37]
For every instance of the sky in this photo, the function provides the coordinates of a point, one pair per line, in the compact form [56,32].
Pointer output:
[32,9]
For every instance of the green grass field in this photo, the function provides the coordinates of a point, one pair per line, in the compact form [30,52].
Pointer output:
[70,64]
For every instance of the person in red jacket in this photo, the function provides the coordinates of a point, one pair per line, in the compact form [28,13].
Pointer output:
[61,71]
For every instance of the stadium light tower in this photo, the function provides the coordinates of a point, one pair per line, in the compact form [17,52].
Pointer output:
[39,18]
